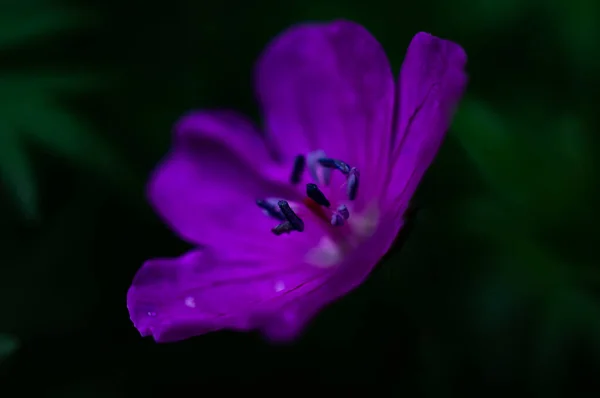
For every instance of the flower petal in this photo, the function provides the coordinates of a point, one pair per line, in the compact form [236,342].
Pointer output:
[229,128]
[288,323]
[206,189]
[432,81]
[329,86]
[174,299]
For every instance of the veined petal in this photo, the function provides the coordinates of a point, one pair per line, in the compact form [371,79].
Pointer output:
[432,81]
[200,292]
[288,323]
[329,86]
[206,188]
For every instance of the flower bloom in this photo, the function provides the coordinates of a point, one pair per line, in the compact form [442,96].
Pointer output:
[287,221]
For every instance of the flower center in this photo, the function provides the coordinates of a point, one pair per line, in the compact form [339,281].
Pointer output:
[316,202]
[324,202]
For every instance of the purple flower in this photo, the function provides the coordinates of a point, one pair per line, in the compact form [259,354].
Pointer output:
[287,221]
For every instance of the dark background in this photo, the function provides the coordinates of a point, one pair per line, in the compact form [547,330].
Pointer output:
[495,288]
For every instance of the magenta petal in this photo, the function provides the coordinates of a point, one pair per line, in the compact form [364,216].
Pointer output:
[290,321]
[329,86]
[207,186]
[174,299]
[229,128]
[432,81]
[322,86]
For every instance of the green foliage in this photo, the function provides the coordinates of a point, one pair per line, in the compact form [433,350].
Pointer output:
[535,178]
[22,22]
[540,166]
[30,110]
[17,171]
[577,23]
[8,345]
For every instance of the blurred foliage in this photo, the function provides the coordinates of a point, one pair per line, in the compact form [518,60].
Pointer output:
[8,344]
[30,110]
[496,287]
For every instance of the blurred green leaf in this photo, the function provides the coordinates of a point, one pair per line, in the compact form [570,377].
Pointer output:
[538,165]
[16,172]
[529,266]
[8,345]
[15,84]
[530,281]
[29,108]
[577,20]
[28,114]
[21,23]
[492,147]
[63,133]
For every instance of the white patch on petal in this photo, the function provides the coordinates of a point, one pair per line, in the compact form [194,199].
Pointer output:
[364,225]
[190,302]
[325,254]
[279,286]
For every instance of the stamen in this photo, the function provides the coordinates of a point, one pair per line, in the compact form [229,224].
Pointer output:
[313,192]
[283,228]
[352,181]
[313,167]
[298,170]
[271,208]
[335,164]
[289,214]
[343,211]
[337,220]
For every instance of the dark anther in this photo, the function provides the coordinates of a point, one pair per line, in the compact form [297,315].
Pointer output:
[299,166]
[343,211]
[352,184]
[289,214]
[283,228]
[313,192]
[271,209]
[335,164]
[337,220]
